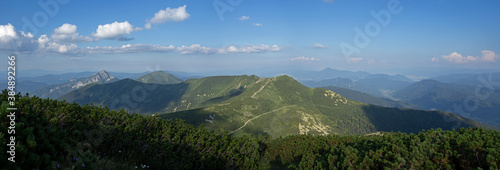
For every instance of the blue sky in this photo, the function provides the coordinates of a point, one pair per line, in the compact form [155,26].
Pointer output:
[195,36]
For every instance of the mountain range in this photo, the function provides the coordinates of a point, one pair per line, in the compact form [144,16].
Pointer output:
[480,104]
[57,90]
[159,77]
[380,85]
[277,106]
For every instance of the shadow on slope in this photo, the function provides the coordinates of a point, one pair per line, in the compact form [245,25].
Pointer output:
[130,95]
[232,93]
[414,121]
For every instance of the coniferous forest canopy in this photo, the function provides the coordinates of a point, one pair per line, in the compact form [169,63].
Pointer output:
[55,134]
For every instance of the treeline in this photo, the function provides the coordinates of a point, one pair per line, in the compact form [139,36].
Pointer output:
[53,134]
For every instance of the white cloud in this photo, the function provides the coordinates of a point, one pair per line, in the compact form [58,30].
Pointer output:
[304,59]
[63,48]
[243,18]
[136,48]
[67,33]
[457,58]
[114,30]
[18,41]
[7,32]
[355,59]
[65,29]
[169,14]
[192,49]
[317,45]
[196,49]
[42,40]
[454,57]
[257,24]
[249,49]
[12,40]
[489,56]
[46,45]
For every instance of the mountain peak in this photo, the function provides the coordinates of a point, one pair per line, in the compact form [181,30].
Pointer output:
[102,76]
[159,77]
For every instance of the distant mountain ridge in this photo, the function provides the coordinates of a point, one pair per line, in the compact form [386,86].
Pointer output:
[367,98]
[159,77]
[380,85]
[277,106]
[55,91]
[469,78]
[432,94]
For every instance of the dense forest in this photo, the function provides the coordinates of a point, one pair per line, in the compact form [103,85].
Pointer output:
[53,134]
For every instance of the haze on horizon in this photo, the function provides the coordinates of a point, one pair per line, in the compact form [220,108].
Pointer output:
[379,36]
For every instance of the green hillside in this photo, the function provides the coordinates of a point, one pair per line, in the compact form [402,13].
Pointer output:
[159,77]
[367,98]
[278,106]
[281,106]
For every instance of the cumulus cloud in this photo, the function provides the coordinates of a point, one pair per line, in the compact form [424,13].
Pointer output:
[454,57]
[12,40]
[317,45]
[243,18]
[115,30]
[355,59]
[257,24]
[18,41]
[68,49]
[7,32]
[304,59]
[46,45]
[68,33]
[169,14]
[489,56]
[15,41]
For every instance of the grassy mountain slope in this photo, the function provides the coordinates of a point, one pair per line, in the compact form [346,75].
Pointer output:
[159,77]
[148,98]
[367,98]
[278,106]
[281,106]
[128,94]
